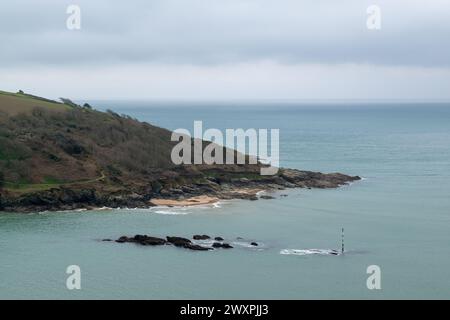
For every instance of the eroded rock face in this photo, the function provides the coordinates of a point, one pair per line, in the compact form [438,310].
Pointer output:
[308,179]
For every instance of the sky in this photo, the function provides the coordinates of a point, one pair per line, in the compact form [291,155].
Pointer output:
[227,49]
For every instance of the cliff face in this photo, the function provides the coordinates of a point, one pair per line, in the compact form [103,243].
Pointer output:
[62,156]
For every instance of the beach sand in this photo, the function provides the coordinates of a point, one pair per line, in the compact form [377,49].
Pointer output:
[194,201]
[203,200]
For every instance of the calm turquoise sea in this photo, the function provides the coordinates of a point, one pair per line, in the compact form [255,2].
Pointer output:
[397,218]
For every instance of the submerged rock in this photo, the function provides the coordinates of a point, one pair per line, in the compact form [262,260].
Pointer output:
[142,240]
[123,239]
[201,237]
[149,241]
[186,243]
[197,247]
[222,245]
[178,241]
[154,241]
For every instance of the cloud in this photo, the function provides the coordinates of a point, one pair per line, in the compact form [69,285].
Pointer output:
[227,49]
[260,80]
[213,32]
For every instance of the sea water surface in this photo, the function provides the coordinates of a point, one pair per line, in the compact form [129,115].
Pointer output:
[397,218]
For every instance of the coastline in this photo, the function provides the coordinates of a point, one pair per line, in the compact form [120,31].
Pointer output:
[191,191]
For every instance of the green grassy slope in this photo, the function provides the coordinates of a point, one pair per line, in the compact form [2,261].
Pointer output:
[15,103]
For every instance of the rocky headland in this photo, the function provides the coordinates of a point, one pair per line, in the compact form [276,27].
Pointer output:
[57,156]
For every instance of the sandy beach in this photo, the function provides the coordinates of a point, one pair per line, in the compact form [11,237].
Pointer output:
[194,201]
[203,200]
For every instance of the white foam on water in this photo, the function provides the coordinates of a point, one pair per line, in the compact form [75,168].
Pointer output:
[305,252]
[208,242]
[183,210]
[172,211]
[102,209]
[247,244]
[218,204]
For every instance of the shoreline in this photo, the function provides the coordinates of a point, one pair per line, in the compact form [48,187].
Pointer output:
[204,199]
[191,192]
[188,202]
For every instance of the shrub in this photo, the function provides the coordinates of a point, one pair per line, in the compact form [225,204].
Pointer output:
[2,180]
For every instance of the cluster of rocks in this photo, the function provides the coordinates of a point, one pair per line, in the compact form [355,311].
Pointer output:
[180,242]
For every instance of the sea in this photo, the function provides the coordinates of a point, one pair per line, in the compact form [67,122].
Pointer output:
[396,220]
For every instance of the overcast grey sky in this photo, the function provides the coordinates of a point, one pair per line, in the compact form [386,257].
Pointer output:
[227,49]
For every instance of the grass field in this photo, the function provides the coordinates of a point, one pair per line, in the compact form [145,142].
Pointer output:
[48,184]
[15,103]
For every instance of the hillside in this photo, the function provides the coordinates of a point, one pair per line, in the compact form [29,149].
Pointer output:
[43,142]
[61,156]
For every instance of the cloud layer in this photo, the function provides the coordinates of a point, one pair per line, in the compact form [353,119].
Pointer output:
[203,37]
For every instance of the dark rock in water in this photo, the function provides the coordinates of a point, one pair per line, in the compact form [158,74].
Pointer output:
[107,240]
[267,197]
[218,238]
[149,241]
[201,237]
[142,240]
[123,239]
[186,243]
[222,245]
[153,241]
[196,247]
[178,241]
[283,195]
[254,244]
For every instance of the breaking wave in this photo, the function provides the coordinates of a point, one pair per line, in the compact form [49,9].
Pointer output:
[306,252]
[184,210]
